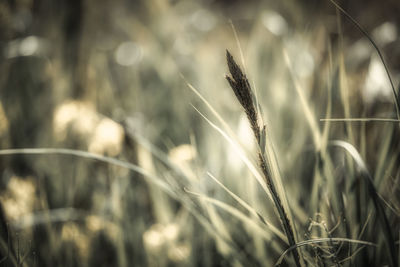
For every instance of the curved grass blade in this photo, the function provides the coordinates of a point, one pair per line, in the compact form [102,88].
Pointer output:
[396,97]
[385,225]
[322,240]
[241,154]
[250,209]
[267,235]
[84,154]
[152,178]
[359,120]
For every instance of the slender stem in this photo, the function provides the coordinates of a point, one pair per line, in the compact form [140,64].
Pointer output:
[241,87]
[396,98]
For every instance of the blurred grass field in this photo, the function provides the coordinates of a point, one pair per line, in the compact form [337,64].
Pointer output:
[122,144]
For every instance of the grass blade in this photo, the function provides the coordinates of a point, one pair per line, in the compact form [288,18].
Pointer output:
[322,240]
[396,97]
[375,198]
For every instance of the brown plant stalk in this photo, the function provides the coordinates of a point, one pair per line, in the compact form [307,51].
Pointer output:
[241,87]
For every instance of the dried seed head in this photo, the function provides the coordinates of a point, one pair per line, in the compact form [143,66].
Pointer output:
[241,87]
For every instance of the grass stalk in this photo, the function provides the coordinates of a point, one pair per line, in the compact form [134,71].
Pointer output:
[241,87]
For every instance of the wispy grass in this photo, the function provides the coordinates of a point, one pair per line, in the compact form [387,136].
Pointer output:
[262,181]
[321,240]
[359,120]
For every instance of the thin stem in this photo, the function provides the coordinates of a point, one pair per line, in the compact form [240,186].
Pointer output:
[241,87]
[396,98]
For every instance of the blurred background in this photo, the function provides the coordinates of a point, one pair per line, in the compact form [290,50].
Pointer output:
[111,78]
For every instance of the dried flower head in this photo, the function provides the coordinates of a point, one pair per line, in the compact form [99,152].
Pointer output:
[241,87]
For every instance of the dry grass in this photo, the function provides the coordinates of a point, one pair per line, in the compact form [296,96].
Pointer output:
[241,87]
[99,135]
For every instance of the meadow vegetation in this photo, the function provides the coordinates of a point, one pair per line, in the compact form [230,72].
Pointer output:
[199,133]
